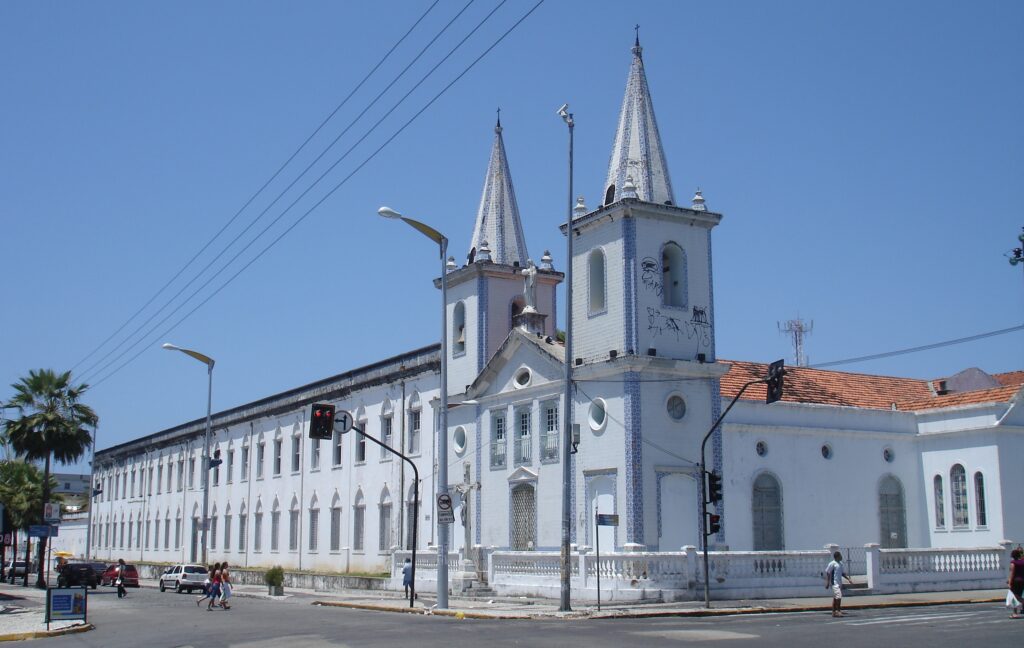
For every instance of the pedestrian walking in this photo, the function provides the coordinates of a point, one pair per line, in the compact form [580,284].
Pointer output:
[1015,582]
[214,586]
[207,585]
[834,575]
[225,586]
[119,579]
[407,575]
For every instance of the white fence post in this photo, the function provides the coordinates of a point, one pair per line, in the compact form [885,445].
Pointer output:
[871,556]
[691,567]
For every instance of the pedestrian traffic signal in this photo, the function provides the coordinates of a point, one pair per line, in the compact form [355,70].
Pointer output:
[714,488]
[714,524]
[321,423]
[776,371]
[216,460]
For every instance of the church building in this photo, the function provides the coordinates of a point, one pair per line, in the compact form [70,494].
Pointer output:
[843,458]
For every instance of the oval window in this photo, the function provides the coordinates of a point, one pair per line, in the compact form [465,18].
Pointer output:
[761,448]
[826,451]
[523,378]
[459,440]
[676,407]
[598,415]
[888,455]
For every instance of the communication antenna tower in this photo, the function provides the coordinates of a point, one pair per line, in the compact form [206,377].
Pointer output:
[797,328]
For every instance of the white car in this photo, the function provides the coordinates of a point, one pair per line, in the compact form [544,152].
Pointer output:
[183,577]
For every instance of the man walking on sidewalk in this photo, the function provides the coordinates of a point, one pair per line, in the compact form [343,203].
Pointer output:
[834,579]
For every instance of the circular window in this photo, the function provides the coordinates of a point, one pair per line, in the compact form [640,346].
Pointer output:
[598,415]
[826,451]
[761,448]
[523,378]
[676,407]
[459,440]
[888,455]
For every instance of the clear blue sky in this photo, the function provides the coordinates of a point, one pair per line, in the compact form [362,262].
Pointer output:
[868,158]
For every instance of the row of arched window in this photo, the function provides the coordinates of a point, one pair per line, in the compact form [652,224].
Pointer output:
[960,499]
[667,276]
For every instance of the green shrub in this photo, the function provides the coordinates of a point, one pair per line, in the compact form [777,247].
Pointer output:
[274,576]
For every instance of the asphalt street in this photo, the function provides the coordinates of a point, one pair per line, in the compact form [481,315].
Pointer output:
[149,618]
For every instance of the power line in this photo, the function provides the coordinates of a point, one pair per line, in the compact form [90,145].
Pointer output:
[924,347]
[252,198]
[337,186]
[224,251]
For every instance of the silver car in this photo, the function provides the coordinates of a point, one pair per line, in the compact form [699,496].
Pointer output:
[183,577]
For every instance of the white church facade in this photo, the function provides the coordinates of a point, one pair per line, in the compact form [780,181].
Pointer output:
[843,458]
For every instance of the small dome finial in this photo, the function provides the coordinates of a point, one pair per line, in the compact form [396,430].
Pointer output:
[581,208]
[698,201]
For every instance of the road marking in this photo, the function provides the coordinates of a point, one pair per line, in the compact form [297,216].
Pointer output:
[912,618]
[696,635]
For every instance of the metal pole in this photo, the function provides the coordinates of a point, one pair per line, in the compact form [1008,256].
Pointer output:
[92,497]
[442,437]
[206,457]
[564,605]
[597,544]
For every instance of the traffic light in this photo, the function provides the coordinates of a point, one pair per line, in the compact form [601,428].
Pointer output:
[776,371]
[216,460]
[321,423]
[714,488]
[714,524]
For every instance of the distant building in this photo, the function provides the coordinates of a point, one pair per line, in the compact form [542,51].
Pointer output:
[844,457]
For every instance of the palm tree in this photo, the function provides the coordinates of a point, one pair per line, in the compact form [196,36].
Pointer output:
[21,493]
[52,425]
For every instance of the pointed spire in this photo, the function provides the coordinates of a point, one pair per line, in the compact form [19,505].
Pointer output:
[497,220]
[637,151]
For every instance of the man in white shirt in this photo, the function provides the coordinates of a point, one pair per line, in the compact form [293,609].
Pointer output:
[834,575]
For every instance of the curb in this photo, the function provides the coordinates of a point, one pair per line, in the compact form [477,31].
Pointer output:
[42,634]
[460,614]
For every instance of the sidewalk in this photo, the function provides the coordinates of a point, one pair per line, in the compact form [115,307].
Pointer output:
[23,615]
[534,608]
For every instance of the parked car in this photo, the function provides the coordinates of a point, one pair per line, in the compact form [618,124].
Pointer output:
[74,574]
[16,569]
[130,576]
[183,577]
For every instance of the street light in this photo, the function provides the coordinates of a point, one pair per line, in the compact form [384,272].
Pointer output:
[208,361]
[563,605]
[442,441]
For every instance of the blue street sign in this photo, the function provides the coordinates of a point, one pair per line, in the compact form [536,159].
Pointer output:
[607,519]
[42,531]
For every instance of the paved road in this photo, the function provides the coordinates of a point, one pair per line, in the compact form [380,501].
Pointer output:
[151,619]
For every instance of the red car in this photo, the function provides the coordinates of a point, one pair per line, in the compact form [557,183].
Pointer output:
[131,576]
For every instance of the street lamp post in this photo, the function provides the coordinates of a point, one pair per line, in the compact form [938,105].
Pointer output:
[208,361]
[442,438]
[564,605]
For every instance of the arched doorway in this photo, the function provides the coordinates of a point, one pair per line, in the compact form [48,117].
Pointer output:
[524,518]
[892,514]
[767,514]
[678,516]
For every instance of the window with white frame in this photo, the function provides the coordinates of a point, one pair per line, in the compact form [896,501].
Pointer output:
[213,530]
[338,441]
[138,534]
[293,527]
[940,503]
[167,532]
[958,490]
[230,468]
[296,453]
[191,472]
[358,513]
[275,528]
[414,431]
[181,474]
[524,436]
[261,459]
[245,462]
[257,530]
[170,474]
[314,526]
[242,519]
[595,269]
[549,441]
[979,499]
[314,454]
[227,530]
[336,525]
[159,479]
[360,445]
[385,525]
[497,439]
[387,436]
[277,457]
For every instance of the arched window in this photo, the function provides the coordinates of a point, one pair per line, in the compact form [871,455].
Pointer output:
[384,536]
[767,514]
[212,540]
[673,275]
[979,499]
[293,525]
[958,489]
[257,527]
[314,523]
[459,329]
[243,520]
[940,504]
[892,514]
[275,526]
[358,517]
[515,308]
[596,273]
[336,522]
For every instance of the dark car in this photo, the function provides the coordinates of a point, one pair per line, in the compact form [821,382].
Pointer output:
[130,576]
[75,574]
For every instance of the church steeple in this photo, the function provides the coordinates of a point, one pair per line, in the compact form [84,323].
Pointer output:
[637,151]
[497,221]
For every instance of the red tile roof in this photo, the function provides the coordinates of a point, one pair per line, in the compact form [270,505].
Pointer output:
[819,386]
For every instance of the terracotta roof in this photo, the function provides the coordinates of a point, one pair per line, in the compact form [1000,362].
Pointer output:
[1010,378]
[806,385]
